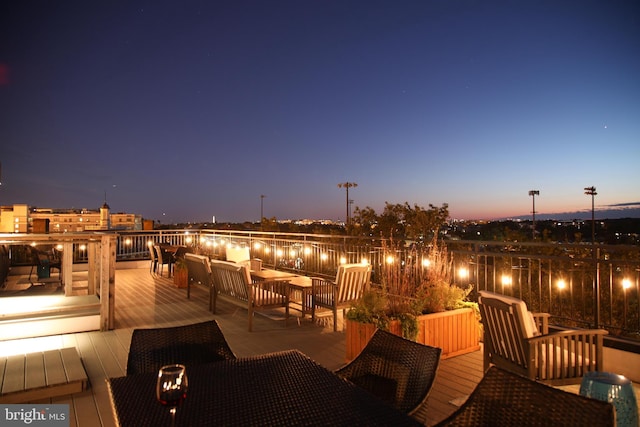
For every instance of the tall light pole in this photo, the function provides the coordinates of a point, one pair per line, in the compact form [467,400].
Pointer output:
[591,191]
[347,185]
[533,194]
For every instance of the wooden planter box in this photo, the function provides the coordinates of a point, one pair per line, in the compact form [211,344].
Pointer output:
[455,332]
[181,277]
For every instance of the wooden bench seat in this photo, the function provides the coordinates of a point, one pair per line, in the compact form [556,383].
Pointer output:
[35,376]
[233,282]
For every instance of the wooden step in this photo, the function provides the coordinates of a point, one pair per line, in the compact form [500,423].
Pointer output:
[35,376]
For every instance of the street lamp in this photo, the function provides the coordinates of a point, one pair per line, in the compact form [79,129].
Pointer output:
[347,185]
[591,191]
[533,194]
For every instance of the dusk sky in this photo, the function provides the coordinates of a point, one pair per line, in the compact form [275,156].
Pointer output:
[184,110]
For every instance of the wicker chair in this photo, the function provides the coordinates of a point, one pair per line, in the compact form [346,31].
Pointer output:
[154,259]
[351,282]
[396,370]
[506,399]
[189,345]
[163,258]
[519,341]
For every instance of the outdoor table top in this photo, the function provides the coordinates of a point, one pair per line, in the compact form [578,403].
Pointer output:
[276,389]
[300,282]
[267,274]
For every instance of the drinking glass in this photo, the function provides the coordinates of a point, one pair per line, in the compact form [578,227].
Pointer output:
[171,388]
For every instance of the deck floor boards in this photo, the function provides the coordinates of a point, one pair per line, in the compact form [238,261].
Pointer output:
[143,300]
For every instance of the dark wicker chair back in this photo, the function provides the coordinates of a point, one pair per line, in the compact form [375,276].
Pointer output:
[189,345]
[163,258]
[506,399]
[396,370]
[154,259]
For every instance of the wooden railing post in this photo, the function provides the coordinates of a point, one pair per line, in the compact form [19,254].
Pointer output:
[67,268]
[107,282]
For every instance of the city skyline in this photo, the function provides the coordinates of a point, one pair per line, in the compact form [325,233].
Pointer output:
[184,112]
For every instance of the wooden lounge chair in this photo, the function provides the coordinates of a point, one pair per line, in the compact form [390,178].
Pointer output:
[519,341]
[189,345]
[398,371]
[506,399]
[233,281]
[351,282]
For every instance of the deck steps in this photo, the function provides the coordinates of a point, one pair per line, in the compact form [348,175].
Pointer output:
[23,317]
[35,376]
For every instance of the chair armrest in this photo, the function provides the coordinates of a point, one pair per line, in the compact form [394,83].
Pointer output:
[542,322]
[570,334]
[320,285]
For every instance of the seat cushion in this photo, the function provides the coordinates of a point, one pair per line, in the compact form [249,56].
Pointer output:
[237,254]
[526,317]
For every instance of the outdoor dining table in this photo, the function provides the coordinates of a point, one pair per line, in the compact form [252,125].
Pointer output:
[300,284]
[275,389]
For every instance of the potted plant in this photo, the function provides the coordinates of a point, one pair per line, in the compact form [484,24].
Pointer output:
[417,300]
[180,273]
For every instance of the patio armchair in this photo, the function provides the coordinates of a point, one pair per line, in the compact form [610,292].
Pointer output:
[396,370]
[519,341]
[189,345]
[43,262]
[350,283]
[506,399]
[181,252]
[154,259]
[163,258]
[233,282]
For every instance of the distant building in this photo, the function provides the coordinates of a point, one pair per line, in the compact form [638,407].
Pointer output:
[22,219]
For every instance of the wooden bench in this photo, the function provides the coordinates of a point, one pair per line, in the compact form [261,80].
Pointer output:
[233,281]
[199,272]
[35,376]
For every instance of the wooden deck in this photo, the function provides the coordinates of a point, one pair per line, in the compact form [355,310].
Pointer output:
[145,301]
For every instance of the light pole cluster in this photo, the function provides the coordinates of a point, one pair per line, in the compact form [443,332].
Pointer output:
[346,186]
[589,191]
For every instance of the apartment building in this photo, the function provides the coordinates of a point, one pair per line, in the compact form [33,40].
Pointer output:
[21,218]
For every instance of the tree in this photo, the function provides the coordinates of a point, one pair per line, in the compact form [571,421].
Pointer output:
[400,221]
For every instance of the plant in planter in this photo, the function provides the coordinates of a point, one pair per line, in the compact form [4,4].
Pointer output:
[180,273]
[411,288]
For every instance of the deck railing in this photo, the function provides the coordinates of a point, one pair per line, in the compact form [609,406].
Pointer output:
[580,285]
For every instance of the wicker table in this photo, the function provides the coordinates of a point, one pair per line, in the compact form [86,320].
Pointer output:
[277,389]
